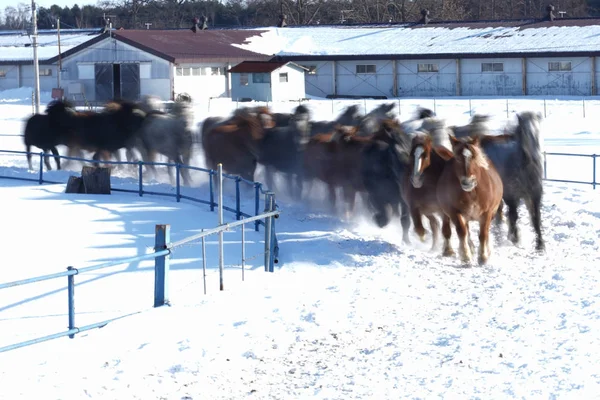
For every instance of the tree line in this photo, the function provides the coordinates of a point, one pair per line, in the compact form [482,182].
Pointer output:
[169,14]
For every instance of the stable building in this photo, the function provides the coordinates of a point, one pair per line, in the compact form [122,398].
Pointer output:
[267,81]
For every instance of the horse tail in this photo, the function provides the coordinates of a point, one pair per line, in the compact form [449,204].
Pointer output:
[529,137]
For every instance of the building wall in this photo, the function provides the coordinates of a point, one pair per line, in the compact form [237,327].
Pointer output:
[508,82]
[11,80]
[350,82]
[293,89]
[251,90]
[413,83]
[154,71]
[319,79]
[201,86]
[576,82]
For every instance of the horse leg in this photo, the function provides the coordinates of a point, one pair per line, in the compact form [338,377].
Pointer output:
[47,159]
[513,216]
[469,239]
[404,220]
[447,233]
[28,150]
[534,205]
[332,196]
[484,237]
[462,232]
[349,201]
[54,151]
[500,213]
[435,228]
[417,220]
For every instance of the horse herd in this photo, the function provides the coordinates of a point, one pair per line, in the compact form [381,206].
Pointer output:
[406,170]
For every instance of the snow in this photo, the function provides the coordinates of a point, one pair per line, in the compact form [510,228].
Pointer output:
[350,312]
[17,46]
[405,40]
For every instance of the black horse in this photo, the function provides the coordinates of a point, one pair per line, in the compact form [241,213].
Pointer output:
[518,158]
[46,131]
[384,164]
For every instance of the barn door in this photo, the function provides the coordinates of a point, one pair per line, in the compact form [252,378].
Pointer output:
[130,81]
[103,82]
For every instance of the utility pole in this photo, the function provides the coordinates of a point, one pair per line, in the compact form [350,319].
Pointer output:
[36,65]
[148,25]
[59,57]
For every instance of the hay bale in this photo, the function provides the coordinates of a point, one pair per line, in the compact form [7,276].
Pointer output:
[96,180]
[74,185]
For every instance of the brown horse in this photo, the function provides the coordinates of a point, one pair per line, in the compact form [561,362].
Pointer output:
[335,159]
[469,189]
[419,184]
[235,142]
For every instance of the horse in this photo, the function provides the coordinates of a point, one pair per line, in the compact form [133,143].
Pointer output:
[282,148]
[469,189]
[518,158]
[47,131]
[420,183]
[416,124]
[476,127]
[384,163]
[371,122]
[350,117]
[169,134]
[236,142]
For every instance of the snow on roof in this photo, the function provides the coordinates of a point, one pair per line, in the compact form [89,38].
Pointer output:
[18,45]
[434,39]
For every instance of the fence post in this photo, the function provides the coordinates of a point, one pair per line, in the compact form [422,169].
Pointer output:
[41,168]
[365,105]
[274,244]
[204,261]
[506,108]
[594,173]
[212,189]
[71,300]
[220,212]
[238,212]
[268,208]
[545,114]
[470,109]
[243,250]
[399,108]
[545,167]
[256,203]
[177,182]
[162,239]
[141,182]
[583,108]
[434,106]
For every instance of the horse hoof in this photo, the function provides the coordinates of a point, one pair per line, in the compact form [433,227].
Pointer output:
[449,252]
[541,247]
[482,260]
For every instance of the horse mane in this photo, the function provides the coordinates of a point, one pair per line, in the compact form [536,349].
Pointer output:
[248,119]
[437,129]
[528,136]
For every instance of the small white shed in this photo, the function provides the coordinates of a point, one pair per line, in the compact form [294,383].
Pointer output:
[267,81]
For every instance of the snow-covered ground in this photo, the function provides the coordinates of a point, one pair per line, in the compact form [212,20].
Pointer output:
[349,313]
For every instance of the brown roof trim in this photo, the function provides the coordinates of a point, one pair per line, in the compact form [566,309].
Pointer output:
[431,56]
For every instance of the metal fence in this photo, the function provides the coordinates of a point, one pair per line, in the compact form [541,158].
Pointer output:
[593,182]
[163,248]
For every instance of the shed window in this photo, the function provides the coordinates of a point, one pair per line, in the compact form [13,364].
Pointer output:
[559,66]
[45,72]
[261,77]
[312,69]
[428,67]
[243,79]
[492,67]
[283,77]
[217,71]
[197,71]
[2,73]
[365,69]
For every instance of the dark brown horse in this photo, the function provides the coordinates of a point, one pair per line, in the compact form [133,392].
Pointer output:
[469,189]
[236,142]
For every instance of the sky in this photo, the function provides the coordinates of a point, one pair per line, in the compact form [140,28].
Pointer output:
[349,313]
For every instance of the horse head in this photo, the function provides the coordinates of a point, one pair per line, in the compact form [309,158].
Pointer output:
[468,160]
[420,158]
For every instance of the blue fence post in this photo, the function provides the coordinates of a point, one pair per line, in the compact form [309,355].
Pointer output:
[256,204]
[268,226]
[274,243]
[211,173]
[238,212]
[141,182]
[545,167]
[41,168]
[71,295]
[177,182]
[594,173]
[161,266]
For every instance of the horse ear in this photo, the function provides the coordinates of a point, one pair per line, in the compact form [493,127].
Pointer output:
[443,152]
[453,140]
[476,140]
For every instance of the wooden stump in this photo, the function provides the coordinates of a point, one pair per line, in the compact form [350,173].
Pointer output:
[74,185]
[96,180]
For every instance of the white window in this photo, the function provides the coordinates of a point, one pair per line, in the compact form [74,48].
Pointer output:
[283,77]
[243,79]
[312,69]
[196,71]
[45,72]
[145,71]
[365,69]
[217,71]
[261,77]
[179,71]
[559,66]
[2,73]
[187,71]
[492,67]
[428,67]
[85,71]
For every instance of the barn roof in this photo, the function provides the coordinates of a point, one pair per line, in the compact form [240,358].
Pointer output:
[261,66]
[434,40]
[185,46]
[16,46]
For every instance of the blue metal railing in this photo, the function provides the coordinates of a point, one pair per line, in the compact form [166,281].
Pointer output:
[593,182]
[258,187]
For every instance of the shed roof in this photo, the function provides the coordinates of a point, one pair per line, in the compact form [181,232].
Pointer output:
[436,39]
[262,66]
[184,46]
